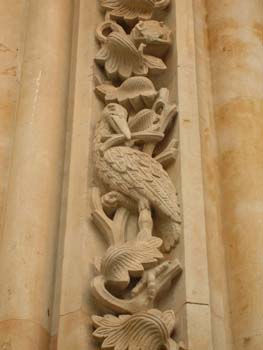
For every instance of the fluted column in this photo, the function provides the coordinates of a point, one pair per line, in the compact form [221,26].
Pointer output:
[236,47]
[29,237]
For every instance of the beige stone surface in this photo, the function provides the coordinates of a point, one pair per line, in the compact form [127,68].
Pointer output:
[80,234]
[221,332]
[29,237]
[76,329]
[198,331]
[196,273]
[12,31]
[251,341]
[23,334]
[236,60]
[79,240]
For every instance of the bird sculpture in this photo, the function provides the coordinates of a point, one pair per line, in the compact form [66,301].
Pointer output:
[136,175]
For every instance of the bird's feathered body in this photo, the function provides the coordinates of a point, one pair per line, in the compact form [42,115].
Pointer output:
[136,175]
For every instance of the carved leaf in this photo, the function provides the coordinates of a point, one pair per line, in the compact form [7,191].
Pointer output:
[149,330]
[155,64]
[129,259]
[124,159]
[143,295]
[136,92]
[121,59]
[129,11]
[144,120]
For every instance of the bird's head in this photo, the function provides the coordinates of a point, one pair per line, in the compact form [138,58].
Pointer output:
[117,117]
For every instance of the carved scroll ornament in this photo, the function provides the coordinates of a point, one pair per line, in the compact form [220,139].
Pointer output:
[132,148]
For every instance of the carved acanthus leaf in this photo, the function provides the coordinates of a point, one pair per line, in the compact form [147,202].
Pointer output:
[129,259]
[135,92]
[149,330]
[121,59]
[138,200]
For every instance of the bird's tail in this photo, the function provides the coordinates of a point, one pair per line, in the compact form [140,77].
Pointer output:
[168,230]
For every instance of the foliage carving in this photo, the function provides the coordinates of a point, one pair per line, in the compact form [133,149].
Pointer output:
[133,146]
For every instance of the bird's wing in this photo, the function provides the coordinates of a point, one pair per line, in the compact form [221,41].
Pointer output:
[138,175]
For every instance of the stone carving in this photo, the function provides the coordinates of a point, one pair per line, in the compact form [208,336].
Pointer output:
[135,92]
[151,329]
[152,284]
[156,36]
[132,11]
[132,148]
[120,57]
[136,174]
[134,255]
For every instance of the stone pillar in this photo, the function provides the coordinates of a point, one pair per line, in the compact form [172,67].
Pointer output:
[235,39]
[218,291]
[12,28]
[29,237]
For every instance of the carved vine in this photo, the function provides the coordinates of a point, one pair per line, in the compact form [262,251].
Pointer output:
[132,148]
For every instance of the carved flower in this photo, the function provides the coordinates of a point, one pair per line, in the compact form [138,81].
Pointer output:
[149,330]
[121,59]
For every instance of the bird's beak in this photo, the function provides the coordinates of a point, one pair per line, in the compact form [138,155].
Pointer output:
[122,126]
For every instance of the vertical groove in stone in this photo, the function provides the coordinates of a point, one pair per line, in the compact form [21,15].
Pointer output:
[29,238]
[235,39]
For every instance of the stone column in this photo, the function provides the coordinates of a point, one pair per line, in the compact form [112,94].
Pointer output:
[29,237]
[235,39]
[218,291]
[12,28]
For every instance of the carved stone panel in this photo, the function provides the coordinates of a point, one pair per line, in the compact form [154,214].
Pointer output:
[132,148]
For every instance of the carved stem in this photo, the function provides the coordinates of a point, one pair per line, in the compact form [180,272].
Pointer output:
[141,301]
[112,230]
[144,136]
